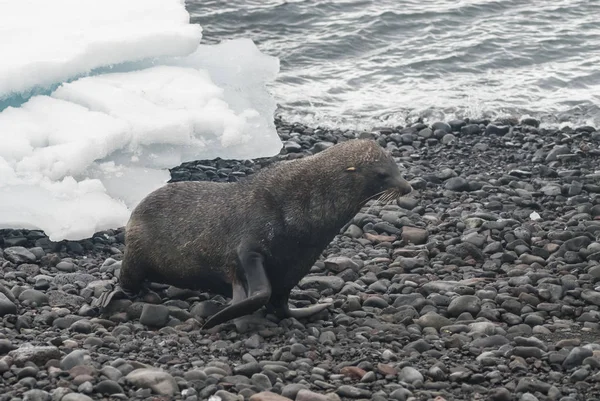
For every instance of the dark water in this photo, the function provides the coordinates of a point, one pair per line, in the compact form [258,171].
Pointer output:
[364,63]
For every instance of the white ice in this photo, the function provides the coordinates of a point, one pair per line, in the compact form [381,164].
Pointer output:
[78,160]
[46,42]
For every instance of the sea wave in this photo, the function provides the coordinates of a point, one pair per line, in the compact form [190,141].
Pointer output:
[358,64]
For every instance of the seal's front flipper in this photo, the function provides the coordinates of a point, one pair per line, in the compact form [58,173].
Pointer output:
[245,302]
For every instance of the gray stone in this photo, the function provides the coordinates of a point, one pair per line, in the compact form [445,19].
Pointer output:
[353,392]
[76,397]
[414,235]
[340,263]
[158,380]
[576,357]
[305,395]
[75,358]
[67,267]
[36,395]
[551,190]
[154,315]
[410,375]
[6,306]
[109,387]
[464,303]
[71,278]
[61,298]
[457,184]
[591,296]
[293,391]
[321,283]
[36,354]
[33,296]
[433,319]
[19,255]
[556,151]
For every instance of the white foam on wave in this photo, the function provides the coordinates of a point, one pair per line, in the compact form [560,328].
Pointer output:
[78,160]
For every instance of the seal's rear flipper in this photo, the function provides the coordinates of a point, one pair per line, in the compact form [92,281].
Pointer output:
[301,313]
[245,302]
[104,299]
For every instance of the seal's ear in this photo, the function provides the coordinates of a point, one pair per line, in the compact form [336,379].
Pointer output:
[351,169]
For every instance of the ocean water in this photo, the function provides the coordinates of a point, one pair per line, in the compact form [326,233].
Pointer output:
[359,64]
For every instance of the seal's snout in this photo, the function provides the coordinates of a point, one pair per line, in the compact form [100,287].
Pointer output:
[403,186]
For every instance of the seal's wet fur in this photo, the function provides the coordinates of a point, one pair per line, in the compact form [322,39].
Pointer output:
[255,239]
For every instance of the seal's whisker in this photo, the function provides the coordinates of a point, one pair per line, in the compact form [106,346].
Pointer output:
[385,198]
[388,196]
[394,195]
[382,199]
[372,196]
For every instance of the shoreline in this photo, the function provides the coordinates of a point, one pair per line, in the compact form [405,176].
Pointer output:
[493,290]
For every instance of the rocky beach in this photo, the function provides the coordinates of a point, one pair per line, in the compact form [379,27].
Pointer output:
[483,284]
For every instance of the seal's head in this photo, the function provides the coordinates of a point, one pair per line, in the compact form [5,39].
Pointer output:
[367,161]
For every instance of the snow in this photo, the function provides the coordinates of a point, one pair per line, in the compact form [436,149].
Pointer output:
[76,159]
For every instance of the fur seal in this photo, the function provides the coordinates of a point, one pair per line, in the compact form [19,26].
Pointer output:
[255,239]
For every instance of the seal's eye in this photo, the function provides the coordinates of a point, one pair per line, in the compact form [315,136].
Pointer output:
[382,175]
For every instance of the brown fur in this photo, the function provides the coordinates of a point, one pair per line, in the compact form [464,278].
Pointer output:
[187,233]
